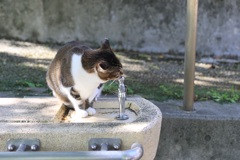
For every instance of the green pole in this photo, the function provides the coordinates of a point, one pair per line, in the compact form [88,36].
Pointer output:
[190,54]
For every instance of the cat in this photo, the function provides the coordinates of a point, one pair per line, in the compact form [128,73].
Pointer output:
[77,73]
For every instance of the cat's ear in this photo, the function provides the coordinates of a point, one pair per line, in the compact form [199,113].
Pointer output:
[105,44]
[102,67]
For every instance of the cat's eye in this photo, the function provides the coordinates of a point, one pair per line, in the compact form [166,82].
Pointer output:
[104,66]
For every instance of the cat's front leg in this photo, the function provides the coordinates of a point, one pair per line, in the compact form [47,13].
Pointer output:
[77,103]
[78,115]
[89,102]
[91,111]
[89,107]
[79,112]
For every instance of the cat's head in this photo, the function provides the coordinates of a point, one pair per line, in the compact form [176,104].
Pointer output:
[108,67]
[106,64]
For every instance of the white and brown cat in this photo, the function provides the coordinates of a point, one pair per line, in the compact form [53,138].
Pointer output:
[77,73]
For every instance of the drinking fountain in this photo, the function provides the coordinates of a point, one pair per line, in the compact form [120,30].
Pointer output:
[122,128]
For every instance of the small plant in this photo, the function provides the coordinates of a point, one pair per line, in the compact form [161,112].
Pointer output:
[171,91]
[112,88]
[231,96]
[24,83]
[160,93]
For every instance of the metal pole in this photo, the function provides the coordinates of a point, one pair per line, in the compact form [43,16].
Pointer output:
[190,54]
[135,153]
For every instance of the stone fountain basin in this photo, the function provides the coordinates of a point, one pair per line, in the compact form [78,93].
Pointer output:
[107,110]
[46,119]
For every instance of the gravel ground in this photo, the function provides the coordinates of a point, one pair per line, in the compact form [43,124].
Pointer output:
[25,64]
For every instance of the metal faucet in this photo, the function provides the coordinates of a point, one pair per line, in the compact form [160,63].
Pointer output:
[121,99]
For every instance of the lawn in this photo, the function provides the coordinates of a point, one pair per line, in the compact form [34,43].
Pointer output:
[23,67]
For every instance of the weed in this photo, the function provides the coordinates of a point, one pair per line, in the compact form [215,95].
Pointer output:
[171,91]
[24,83]
[232,96]
[160,93]
[112,88]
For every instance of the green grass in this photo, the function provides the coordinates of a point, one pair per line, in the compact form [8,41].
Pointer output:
[231,96]
[170,91]
[112,88]
[25,83]
[160,93]
[20,72]
[22,77]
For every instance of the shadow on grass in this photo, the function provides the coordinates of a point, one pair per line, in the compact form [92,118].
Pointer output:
[18,72]
[161,80]
[149,76]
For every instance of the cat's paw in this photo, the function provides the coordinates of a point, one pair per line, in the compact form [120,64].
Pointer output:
[91,111]
[81,113]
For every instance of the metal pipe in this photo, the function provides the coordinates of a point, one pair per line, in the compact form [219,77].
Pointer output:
[135,153]
[190,54]
[121,99]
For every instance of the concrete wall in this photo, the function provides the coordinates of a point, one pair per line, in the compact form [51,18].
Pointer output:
[211,132]
[146,25]
[198,139]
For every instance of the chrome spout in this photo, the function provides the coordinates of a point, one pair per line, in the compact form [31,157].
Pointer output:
[121,99]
